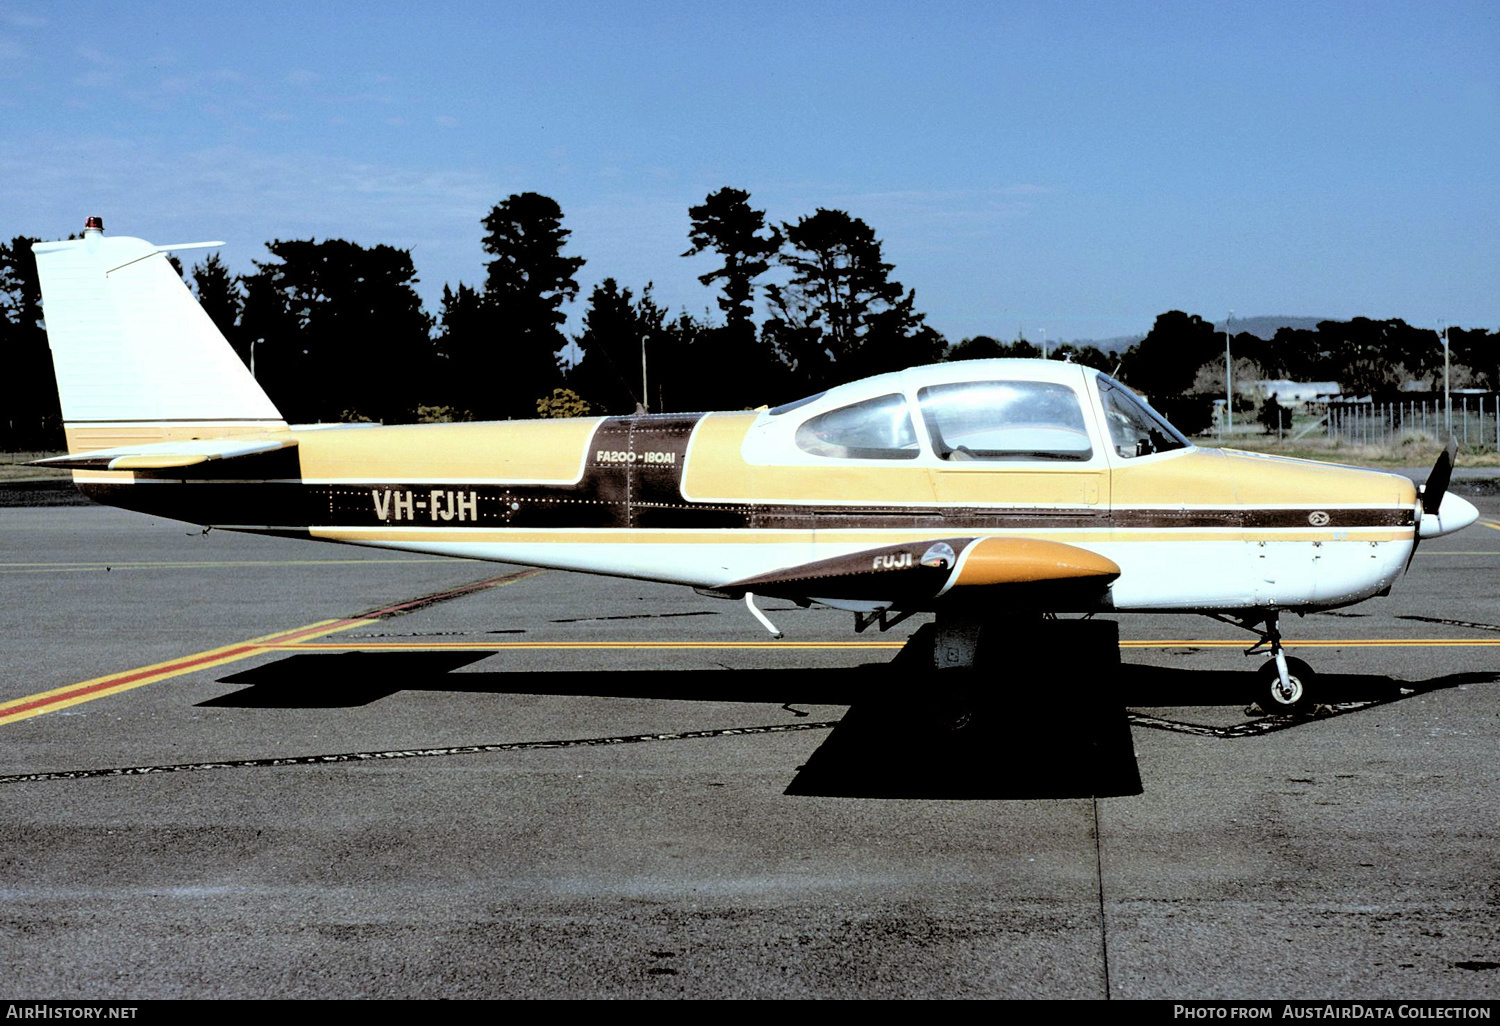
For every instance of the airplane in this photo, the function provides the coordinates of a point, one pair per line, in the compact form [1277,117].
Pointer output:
[989,493]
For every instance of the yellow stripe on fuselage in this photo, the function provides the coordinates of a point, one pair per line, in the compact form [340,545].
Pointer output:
[851,536]
[1205,477]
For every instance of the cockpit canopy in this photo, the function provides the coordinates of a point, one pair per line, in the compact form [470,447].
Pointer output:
[986,410]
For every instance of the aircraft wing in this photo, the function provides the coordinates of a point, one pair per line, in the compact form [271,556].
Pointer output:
[927,569]
[164,455]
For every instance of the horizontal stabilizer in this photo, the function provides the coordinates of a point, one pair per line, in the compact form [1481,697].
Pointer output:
[164,455]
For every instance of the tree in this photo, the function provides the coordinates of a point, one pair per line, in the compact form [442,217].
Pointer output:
[838,276]
[1370,357]
[31,417]
[979,347]
[1166,361]
[1088,356]
[340,329]
[685,374]
[726,224]
[463,326]
[219,295]
[842,316]
[608,375]
[526,284]
[1258,351]
[1479,351]
[563,402]
[983,347]
[897,338]
[1297,354]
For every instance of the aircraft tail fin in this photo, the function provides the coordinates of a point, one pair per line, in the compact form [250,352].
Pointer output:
[137,359]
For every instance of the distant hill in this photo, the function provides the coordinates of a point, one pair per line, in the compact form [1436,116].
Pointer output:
[1118,344]
[1266,327]
[1260,327]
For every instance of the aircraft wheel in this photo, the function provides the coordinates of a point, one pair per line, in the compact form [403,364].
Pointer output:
[952,712]
[1274,697]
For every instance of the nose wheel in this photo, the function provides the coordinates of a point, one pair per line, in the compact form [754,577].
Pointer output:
[1284,695]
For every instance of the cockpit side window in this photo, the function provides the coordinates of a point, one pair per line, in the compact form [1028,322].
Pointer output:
[876,429]
[1135,429]
[1005,420]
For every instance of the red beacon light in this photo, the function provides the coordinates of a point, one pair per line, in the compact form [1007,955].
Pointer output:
[94,224]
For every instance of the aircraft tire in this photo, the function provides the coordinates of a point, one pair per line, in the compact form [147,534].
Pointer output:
[1274,699]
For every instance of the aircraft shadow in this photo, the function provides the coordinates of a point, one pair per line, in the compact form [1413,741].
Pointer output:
[1144,687]
[345,680]
[902,737]
[1032,732]
[319,681]
[957,747]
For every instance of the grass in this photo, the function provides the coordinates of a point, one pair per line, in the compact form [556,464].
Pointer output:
[13,468]
[1414,449]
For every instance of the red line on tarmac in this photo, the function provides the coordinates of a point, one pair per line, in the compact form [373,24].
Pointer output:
[34,705]
[427,600]
[171,668]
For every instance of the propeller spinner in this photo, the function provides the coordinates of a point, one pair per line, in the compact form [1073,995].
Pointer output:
[1442,511]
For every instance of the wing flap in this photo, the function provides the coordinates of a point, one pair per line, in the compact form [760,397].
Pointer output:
[928,569]
[910,570]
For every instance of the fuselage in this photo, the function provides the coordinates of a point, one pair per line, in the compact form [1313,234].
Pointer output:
[708,499]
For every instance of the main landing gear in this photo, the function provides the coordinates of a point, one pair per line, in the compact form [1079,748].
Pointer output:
[1283,685]
[1007,662]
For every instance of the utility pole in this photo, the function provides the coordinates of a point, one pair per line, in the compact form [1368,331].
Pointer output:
[645,395]
[1228,382]
[1447,396]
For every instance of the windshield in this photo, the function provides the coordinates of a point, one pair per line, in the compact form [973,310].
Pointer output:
[1135,429]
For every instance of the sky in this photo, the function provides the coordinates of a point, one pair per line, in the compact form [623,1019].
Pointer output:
[1067,168]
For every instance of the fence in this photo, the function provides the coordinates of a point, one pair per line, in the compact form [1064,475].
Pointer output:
[1474,421]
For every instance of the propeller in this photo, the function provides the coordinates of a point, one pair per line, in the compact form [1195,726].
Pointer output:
[1437,481]
[1431,522]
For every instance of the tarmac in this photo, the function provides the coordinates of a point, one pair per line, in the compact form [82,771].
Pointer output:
[240,767]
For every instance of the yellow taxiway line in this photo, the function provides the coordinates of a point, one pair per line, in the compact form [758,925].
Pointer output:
[305,639]
[563,646]
[17,709]
[302,639]
[193,564]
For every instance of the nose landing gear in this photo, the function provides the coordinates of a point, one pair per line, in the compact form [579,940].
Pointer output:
[1283,685]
